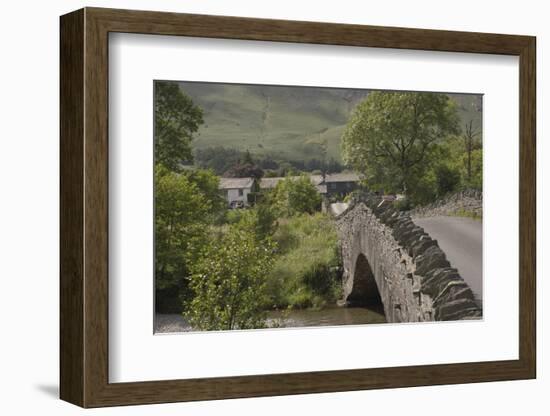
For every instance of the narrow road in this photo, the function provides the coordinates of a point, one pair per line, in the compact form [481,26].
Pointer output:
[461,240]
[338,207]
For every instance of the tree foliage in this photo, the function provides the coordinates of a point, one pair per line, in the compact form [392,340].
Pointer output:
[223,159]
[471,144]
[447,179]
[207,183]
[260,220]
[183,210]
[294,195]
[476,178]
[229,282]
[180,214]
[176,119]
[391,137]
[472,158]
[244,170]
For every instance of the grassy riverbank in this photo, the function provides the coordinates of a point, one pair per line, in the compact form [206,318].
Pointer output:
[306,272]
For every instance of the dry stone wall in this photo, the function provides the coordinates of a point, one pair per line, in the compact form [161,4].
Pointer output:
[415,280]
[469,202]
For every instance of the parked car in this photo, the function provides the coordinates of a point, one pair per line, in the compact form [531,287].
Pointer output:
[236,205]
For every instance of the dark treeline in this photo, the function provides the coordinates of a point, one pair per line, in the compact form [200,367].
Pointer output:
[222,159]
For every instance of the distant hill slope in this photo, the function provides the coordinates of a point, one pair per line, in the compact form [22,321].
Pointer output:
[288,122]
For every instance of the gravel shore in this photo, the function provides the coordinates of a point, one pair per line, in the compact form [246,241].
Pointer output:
[168,323]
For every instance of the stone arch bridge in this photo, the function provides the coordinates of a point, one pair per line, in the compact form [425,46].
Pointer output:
[389,260]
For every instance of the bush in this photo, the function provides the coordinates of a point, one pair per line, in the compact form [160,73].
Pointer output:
[265,221]
[294,196]
[229,282]
[448,179]
[233,216]
[261,219]
[319,278]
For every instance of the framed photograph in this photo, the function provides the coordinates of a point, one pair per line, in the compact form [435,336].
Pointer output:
[255,207]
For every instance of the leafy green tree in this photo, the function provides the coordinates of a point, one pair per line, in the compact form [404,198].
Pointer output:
[423,190]
[476,164]
[182,215]
[266,221]
[391,136]
[229,282]
[244,170]
[261,220]
[448,179]
[218,158]
[221,159]
[207,183]
[464,158]
[176,119]
[472,143]
[248,158]
[293,196]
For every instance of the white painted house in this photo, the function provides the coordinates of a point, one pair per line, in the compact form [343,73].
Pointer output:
[236,190]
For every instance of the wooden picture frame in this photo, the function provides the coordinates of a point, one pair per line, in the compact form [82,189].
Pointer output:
[84,207]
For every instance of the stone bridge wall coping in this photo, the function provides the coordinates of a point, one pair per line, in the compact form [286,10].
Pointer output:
[437,285]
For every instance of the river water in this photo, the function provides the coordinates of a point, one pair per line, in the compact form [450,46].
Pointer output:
[328,316]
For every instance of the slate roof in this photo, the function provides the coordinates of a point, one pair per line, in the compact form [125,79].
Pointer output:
[322,189]
[270,183]
[236,183]
[342,177]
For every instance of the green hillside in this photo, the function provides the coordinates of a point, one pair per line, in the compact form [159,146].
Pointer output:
[291,123]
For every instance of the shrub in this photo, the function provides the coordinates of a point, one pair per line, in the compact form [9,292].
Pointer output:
[295,196]
[229,282]
[319,278]
[448,179]
[233,216]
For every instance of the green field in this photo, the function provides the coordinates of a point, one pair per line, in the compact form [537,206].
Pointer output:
[289,123]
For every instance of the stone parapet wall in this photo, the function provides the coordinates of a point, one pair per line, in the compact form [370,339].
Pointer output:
[415,280]
[468,202]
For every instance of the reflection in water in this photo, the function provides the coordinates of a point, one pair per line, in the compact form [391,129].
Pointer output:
[328,316]
[325,317]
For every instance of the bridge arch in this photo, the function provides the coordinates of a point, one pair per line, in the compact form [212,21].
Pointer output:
[364,291]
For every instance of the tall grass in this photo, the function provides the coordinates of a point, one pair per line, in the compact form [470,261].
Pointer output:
[468,214]
[306,273]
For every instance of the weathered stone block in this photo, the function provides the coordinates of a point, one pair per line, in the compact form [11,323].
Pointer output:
[452,291]
[412,237]
[456,309]
[420,246]
[434,285]
[432,258]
